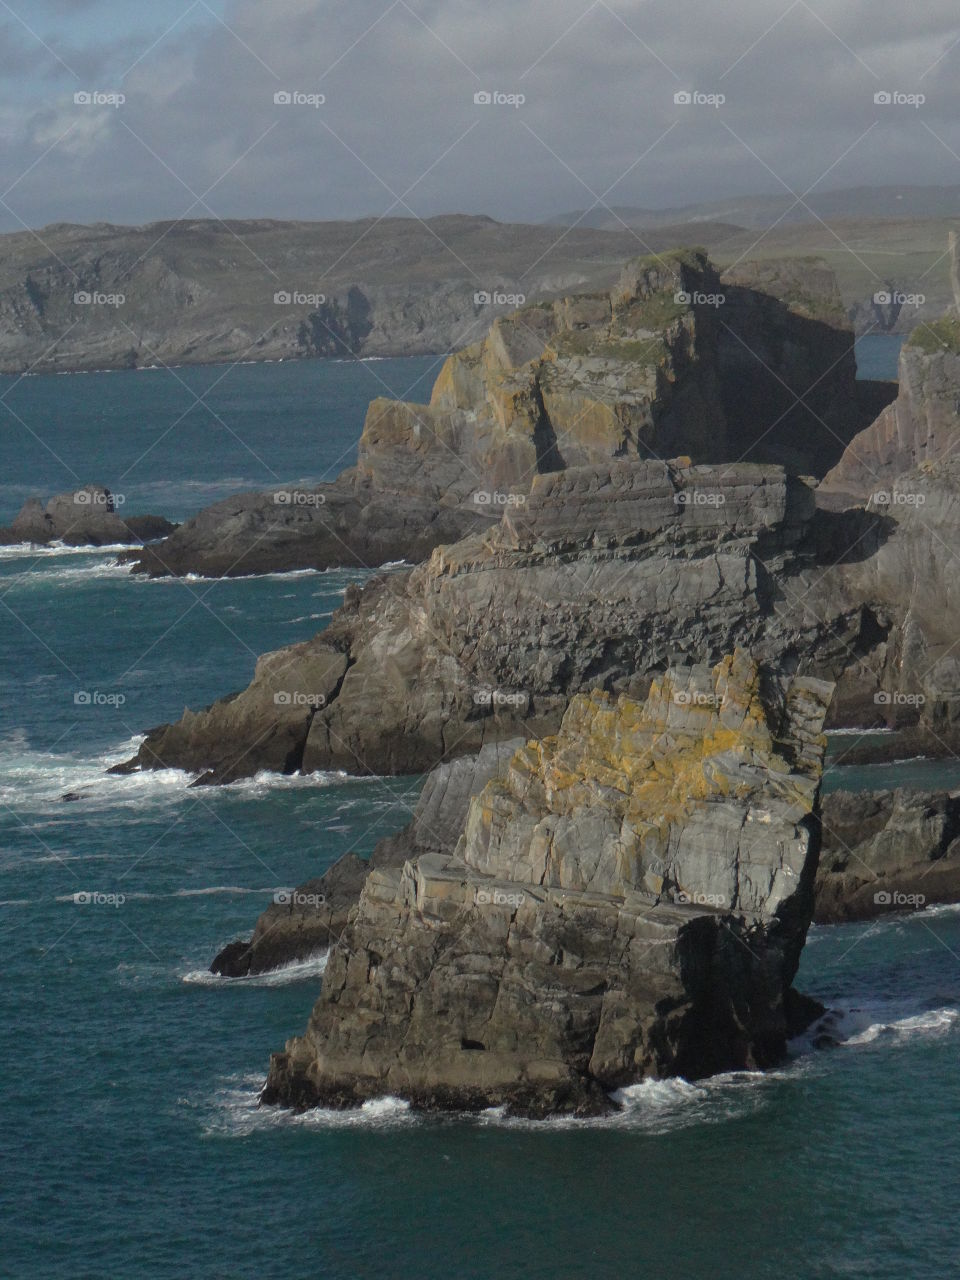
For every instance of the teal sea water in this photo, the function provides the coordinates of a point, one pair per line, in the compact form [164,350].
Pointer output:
[131,1144]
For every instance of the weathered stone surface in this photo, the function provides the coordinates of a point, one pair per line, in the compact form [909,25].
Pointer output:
[885,851]
[601,579]
[264,727]
[648,369]
[597,580]
[787,365]
[315,913]
[630,900]
[87,516]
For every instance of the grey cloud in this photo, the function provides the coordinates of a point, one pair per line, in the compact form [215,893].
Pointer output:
[796,98]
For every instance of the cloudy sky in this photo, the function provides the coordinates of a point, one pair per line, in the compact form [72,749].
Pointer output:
[200,134]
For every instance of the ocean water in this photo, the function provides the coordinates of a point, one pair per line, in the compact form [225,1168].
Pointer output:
[131,1144]
[878,354]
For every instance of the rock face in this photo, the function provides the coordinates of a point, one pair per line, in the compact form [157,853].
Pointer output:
[596,580]
[887,851]
[919,427]
[313,916]
[629,901]
[88,516]
[665,363]
[601,579]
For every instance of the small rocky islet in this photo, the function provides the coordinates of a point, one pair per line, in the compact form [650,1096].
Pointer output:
[650,571]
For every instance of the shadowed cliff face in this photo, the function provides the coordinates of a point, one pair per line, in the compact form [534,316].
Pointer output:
[920,427]
[670,361]
[629,899]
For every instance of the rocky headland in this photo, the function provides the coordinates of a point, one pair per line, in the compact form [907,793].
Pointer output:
[630,900]
[674,359]
[87,516]
[601,579]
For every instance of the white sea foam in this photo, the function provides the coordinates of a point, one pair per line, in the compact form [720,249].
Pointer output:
[897,1020]
[28,550]
[31,781]
[236,1112]
[296,971]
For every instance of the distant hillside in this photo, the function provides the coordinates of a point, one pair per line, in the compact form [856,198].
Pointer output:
[103,296]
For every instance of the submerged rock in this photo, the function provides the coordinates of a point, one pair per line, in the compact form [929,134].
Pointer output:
[630,900]
[88,516]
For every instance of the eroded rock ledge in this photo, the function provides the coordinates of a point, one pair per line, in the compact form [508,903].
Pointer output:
[630,900]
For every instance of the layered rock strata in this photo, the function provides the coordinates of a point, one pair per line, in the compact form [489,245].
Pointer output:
[630,900]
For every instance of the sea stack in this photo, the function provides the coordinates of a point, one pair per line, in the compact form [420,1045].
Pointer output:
[629,901]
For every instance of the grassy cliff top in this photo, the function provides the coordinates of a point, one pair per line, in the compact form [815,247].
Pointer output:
[935,336]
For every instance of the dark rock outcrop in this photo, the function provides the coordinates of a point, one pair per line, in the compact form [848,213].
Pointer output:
[88,516]
[630,900]
[299,924]
[887,851]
